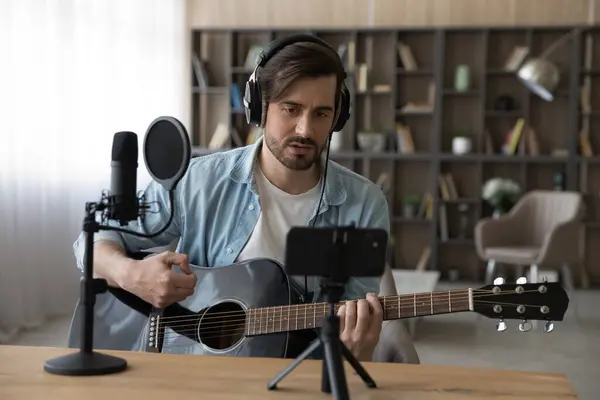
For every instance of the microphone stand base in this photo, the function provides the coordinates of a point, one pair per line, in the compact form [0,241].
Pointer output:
[88,364]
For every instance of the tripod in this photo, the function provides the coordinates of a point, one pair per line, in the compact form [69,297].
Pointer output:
[87,361]
[333,376]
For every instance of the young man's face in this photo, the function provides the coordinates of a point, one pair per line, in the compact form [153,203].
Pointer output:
[298,126]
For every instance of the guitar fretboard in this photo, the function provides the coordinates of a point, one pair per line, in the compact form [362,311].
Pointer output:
[266,320]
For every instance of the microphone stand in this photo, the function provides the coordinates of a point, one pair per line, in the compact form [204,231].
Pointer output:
[87,361]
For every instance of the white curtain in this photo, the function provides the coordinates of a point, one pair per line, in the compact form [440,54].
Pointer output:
[73,73]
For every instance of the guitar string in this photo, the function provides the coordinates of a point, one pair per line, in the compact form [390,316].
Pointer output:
[304,319]
[461,294]
[242,327]
[236,332]
[456,294]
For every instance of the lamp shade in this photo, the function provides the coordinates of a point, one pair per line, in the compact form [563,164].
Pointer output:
[540,76]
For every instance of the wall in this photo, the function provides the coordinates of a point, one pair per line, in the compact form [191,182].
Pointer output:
[396,13]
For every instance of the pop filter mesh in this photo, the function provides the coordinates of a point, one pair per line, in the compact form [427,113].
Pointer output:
[164,150]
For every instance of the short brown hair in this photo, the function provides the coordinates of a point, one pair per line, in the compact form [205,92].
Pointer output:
[297,61]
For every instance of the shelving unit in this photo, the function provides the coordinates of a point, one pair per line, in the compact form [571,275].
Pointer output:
[471,112]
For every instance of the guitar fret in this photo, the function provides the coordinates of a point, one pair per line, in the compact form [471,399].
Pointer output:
[431,302]
[415,304]
[314,316]
[384,308]
[272,319]
[449,301]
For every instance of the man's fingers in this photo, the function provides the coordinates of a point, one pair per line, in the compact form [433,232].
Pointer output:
[342,314]
[376,309]
[363,317]
[179,259]
[183,281]
[350,320]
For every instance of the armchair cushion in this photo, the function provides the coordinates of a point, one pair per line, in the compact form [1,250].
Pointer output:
[514,255]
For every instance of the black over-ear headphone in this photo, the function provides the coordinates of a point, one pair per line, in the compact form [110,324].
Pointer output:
[253,103]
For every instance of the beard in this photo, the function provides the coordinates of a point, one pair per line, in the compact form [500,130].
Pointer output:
[296,162]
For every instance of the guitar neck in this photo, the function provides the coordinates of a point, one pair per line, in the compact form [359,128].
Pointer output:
[266,320]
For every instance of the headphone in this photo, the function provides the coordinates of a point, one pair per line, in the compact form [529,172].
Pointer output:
[253,103]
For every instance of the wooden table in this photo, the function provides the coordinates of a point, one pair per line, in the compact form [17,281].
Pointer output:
[178,377]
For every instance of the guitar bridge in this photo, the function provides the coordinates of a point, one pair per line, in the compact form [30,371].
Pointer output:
[153,345]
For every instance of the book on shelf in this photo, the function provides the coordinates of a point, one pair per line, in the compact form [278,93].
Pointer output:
[236,98]
[447,187]
[220,137]
[413,107]
[201,72]
[362,77]
[252,57]
[347,53]
[513,137]
[405,142]
[443,221]
[424,260]
[426,207]
[407,57]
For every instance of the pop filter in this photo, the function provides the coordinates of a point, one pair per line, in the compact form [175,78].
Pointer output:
[167,151]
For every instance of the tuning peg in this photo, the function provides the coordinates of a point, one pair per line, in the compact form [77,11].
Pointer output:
[499,281]
[549,326]
[521,281]
[525,326]
[501,326]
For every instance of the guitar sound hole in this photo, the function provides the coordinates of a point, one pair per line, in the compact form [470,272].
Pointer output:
[222,325]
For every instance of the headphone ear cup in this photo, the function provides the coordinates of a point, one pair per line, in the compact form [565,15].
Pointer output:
[344,110]
[252,102]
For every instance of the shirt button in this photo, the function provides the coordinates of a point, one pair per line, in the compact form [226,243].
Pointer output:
[229,250]
[251,207]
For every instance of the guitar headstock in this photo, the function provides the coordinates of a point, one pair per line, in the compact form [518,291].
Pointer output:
[545,301]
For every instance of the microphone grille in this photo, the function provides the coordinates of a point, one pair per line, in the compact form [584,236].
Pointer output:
[125,147]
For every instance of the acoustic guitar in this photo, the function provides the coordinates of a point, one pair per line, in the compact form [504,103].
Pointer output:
[249,309]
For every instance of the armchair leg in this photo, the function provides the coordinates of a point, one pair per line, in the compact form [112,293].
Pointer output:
[533,273]
[567,276]
[489,272]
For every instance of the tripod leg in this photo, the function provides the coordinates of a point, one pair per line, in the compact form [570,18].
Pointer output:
[360,370]
[325,382]
[309,350]
[335,369]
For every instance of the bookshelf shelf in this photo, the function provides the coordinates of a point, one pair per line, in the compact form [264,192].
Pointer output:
[422,88]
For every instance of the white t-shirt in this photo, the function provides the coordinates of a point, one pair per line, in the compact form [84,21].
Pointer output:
[279,212]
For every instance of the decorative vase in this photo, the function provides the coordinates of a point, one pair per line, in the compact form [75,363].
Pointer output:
[410,210]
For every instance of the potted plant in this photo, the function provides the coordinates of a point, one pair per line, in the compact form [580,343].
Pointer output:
[411,205]
[502,194]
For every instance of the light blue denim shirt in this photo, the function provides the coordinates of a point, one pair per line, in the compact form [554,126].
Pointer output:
[217,206]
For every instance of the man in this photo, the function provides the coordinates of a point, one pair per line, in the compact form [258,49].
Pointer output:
[240,204]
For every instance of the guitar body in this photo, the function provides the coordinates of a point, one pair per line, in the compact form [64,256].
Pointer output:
[211,322]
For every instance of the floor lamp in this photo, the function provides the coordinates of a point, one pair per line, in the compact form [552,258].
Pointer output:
[540,74]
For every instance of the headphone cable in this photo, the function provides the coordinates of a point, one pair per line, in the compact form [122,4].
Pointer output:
[319,204]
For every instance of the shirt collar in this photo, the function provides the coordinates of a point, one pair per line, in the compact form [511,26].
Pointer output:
[243,172]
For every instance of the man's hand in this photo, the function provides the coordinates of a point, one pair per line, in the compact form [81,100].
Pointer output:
[153,280]
[360,325]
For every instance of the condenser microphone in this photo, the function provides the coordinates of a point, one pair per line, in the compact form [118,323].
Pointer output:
[123,201]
